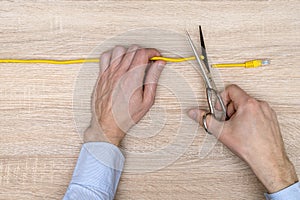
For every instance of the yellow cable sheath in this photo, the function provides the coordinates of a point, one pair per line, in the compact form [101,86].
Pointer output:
[173,59]
[78,61]
[228,65]
[247,64]
[62,62]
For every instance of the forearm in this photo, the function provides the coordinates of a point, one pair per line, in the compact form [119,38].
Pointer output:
[97,173]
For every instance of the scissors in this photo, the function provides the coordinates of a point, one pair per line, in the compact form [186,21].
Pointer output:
[212,94]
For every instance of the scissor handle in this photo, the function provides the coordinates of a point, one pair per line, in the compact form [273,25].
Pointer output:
[220,115]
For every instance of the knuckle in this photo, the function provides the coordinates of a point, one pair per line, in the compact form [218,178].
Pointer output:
[119,49]
[142,51]
[106,53]
[154,50]
[232,86]
[252,104]
[124,83]
[265,104]
[134,47]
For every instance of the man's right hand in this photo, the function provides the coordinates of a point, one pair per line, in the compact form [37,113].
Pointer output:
[252,132]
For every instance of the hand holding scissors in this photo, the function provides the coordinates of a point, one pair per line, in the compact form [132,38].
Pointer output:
[251,129]
[213,95]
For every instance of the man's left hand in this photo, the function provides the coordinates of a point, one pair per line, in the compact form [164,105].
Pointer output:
[124,92]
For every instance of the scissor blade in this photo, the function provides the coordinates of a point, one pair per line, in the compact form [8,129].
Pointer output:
[200,62]
[203,50]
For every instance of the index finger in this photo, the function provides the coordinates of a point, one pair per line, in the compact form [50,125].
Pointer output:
[141,60]
[142,57]
[235,94]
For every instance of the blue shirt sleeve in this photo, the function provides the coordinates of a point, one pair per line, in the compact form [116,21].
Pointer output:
[290,193]
[97,172]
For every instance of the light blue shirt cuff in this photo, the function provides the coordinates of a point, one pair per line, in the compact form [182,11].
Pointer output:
[97,172]
[290,193]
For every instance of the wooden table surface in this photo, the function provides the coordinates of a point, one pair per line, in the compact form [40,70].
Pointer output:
[44,108]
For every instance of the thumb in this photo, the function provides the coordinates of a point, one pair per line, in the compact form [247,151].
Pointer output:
[214,126]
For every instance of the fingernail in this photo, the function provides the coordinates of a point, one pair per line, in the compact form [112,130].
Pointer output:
[192,114]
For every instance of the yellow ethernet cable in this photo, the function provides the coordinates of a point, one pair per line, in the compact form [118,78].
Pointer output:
[79,61]
[55,62]
[173,59]
[248,64]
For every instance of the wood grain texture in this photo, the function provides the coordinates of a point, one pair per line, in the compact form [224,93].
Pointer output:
[39,141]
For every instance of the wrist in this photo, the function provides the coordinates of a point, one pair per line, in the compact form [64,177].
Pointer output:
[281,178]
[93,134]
